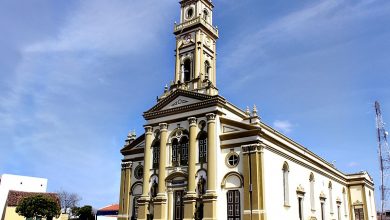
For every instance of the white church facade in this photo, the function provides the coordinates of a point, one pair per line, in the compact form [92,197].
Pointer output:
[201,157]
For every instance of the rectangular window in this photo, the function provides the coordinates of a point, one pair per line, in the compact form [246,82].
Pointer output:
[156,156]
[359,214]
[175,149]
[184,154]
[203,150]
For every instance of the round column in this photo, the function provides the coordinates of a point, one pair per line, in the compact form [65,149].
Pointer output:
[163,157]
[147,154]
[211,153]
[192,156]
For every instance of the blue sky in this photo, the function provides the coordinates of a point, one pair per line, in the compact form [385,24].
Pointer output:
[75,77]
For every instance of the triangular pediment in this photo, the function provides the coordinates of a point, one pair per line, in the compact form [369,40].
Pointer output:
[180,101]
[179,98]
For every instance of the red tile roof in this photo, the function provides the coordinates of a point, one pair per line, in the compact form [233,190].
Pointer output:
[14,197]
[113,207]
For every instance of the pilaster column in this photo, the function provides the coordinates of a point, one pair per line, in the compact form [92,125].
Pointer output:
[211,153]
[163,158]
[160,202]
[210,198]
[190,198]
[124,200]
[254,203]
[143,202]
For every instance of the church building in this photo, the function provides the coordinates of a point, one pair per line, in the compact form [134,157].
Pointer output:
[202,157]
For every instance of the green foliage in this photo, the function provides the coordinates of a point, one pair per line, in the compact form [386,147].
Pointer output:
[38,206]
[83,213]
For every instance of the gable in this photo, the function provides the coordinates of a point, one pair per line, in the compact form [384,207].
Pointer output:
[137,146]
[179,98]
[180,101]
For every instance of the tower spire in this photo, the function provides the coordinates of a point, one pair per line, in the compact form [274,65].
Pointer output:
[196,38]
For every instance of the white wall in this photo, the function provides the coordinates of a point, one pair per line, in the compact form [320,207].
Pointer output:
[19,183]
[298,176]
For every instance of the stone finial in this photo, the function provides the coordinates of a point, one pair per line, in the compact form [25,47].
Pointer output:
[166,88]
[247,112]
[254,111]
[130,137]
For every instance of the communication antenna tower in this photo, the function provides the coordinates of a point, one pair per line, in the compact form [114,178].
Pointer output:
[384,157]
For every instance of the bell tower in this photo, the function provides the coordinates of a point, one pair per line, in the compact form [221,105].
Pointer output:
[196,38]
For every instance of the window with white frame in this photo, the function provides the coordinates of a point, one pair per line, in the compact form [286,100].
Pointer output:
[312,200]
[285,184]
[330,197]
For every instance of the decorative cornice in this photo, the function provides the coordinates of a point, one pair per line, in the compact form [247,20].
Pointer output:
[252,148]
[240,134]
[215,101]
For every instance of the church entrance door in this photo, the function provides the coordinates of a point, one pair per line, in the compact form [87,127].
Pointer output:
[233,205]
[178,207]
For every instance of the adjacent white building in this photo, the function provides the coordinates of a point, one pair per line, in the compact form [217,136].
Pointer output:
[19,183]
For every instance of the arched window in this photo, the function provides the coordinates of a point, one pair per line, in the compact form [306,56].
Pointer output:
[156,154]
[179,147]
[285,183]
[312,202]
[330,198]
[207,68]
[202,146]
[187,70]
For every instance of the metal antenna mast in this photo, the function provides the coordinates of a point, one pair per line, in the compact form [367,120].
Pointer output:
[384,156]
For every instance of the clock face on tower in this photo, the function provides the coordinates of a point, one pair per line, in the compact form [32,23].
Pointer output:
[187,39]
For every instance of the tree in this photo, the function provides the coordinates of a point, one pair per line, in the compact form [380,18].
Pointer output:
[38,206]
[68,200]
[83,213]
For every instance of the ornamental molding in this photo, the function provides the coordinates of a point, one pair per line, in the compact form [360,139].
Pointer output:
[126,165]
[301,190]
[322,196]
[148,129]
[192,121]
[210,117]
[252,148]
[163,126]
[179,102]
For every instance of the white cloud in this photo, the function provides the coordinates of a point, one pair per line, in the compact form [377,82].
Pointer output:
[56,108]
[112,27]
[316,27]
[283,125]
[353,164]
